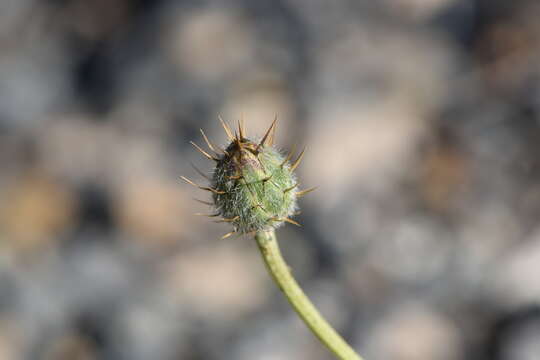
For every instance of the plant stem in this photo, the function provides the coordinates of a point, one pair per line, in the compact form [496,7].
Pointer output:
[268,245]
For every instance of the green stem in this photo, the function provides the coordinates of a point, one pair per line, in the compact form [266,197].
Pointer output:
[268,245]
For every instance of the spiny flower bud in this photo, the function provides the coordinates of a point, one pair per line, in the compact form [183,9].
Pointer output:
[253,186]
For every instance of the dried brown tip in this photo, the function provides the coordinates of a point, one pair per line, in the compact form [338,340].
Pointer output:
[202,187]
[273,134]
[305,192]
[298,160]
[226,128]
[210,157]
[264,140]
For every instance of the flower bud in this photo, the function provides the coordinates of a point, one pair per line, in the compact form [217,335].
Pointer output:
[253,186]
[256,187]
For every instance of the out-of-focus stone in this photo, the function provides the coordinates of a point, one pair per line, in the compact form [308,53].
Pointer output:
[514,279]
[223,282]
[155,212]
[444,173]
[354,144]
[259,96]
[71,347]
[417,9]
[210,43]
[34,211]
[413,251]
[11,339]
[80,134]
[368,64]
[138,115]
[99,19]
[152,330]
[100,152]
[522,343]
[370,110]
[508,49]
[415,332]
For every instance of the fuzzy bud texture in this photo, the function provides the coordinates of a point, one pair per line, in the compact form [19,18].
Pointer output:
[256,187]
[253,186]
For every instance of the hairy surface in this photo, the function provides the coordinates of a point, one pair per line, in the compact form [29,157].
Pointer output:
[256,187]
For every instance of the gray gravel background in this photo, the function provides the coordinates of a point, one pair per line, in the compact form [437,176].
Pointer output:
[422,122]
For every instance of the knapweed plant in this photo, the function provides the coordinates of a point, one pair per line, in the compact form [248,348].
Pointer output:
[255,190]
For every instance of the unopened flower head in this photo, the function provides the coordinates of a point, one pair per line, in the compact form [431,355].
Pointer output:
[253,185]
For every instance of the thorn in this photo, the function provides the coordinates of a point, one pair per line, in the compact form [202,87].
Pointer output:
[235,177]
[274,183]
[290,188]
[203,187]
[265,137]
[241,130]
[259,161]
[305,192]
[264,182]
[204,202]
[238,141]
[290,221]
[289,155]
[223,151]
[207,215]
[227,235]
[272,136]
[200,172]
[267,178]
[298,159]
[188,181]
[259,206]
[226,127]
[204,152]
[208,141]
[218,192]
[228,220]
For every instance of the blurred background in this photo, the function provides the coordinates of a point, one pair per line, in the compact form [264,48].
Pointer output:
[422,122]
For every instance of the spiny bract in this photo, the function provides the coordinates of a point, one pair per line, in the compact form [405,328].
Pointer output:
[253,186]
